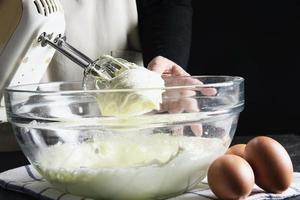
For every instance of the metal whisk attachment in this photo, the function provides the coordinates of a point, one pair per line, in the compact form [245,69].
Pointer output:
[105,67]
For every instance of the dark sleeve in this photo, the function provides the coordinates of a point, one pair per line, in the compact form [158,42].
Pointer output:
[165,28]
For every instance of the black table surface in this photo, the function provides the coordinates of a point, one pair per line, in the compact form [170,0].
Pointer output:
[9,160]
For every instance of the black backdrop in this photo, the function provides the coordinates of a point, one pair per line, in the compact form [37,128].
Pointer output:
[260,41]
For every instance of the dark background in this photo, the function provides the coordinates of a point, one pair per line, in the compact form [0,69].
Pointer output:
[260,41]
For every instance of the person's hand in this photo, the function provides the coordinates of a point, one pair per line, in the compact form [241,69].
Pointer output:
[179,100]
[166,67]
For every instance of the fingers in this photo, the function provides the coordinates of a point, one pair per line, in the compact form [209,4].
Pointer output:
[209,91]
[184,105]
[159,64]
[161,69]
[178,71]
[181,105]
[194,81]
[182,81]
[166,67]
[174,107]
[189,105]
[168,70]
[197,129]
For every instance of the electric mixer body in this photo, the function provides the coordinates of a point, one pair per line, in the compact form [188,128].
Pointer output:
[22,59]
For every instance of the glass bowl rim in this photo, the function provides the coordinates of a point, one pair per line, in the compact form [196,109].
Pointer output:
[233,80]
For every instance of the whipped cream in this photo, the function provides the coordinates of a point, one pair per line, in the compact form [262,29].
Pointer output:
[144,89]
[129,166]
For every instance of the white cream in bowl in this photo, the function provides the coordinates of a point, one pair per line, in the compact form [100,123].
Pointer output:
[130,166]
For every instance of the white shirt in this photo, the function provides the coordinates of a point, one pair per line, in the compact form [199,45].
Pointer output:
[96,27]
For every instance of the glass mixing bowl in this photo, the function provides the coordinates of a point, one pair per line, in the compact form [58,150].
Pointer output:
[162,153]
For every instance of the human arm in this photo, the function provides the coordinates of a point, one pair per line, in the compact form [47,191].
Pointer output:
[165,28]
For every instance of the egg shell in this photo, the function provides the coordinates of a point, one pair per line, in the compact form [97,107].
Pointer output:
[230,177]
[271,164]
[237,149]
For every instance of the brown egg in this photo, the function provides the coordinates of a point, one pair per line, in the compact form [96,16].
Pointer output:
[271,164]
[237,149]
[230,177]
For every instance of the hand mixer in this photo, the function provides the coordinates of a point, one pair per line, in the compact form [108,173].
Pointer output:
[27,26]
[29,30]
